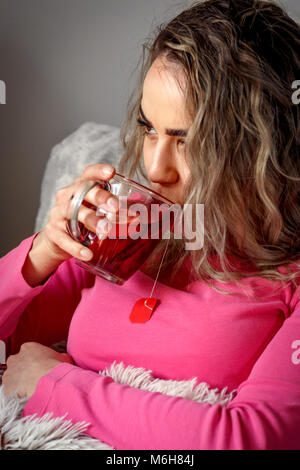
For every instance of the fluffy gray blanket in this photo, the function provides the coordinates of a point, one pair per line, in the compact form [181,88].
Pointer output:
[48,433]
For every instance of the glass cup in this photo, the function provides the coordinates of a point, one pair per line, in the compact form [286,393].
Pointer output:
[142,220]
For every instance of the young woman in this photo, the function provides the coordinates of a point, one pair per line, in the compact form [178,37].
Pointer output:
[212,122]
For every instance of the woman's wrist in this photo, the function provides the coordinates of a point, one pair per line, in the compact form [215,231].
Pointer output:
[38,265]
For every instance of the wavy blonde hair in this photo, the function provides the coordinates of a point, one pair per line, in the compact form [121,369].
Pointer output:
[240,59]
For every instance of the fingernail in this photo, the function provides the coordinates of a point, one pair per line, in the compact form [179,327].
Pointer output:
[102,226]
[85,253]
[107,170]
[113,203]
[101,236]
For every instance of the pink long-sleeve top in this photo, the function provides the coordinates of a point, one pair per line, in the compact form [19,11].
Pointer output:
[250,344]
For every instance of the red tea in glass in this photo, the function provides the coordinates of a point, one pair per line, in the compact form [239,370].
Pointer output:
[127,245]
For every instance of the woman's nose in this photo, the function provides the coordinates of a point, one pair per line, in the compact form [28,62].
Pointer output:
[162,167]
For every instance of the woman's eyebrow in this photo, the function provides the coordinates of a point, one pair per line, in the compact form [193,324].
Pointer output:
[171,132]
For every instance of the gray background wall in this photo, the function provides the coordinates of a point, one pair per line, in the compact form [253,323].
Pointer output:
[64,62]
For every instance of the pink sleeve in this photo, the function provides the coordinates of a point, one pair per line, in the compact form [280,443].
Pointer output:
[42,313]
[264,415]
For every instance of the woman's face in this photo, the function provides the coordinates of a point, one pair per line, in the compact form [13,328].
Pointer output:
[166,123]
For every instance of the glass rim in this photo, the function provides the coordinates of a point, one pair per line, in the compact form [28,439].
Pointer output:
[144,188]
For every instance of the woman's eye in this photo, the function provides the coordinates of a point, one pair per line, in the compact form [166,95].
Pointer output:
[181,144]
[148,130]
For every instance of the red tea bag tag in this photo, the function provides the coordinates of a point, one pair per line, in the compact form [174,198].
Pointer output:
[142,310]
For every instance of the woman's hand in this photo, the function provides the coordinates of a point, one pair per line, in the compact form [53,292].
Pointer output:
[54,237]
[25,369]
[54,244]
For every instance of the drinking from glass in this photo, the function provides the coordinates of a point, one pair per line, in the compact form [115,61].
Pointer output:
[141,220]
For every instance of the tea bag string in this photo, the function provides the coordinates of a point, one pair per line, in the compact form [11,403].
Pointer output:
[159,268]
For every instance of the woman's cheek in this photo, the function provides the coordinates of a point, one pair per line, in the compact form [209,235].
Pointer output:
[148,149]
